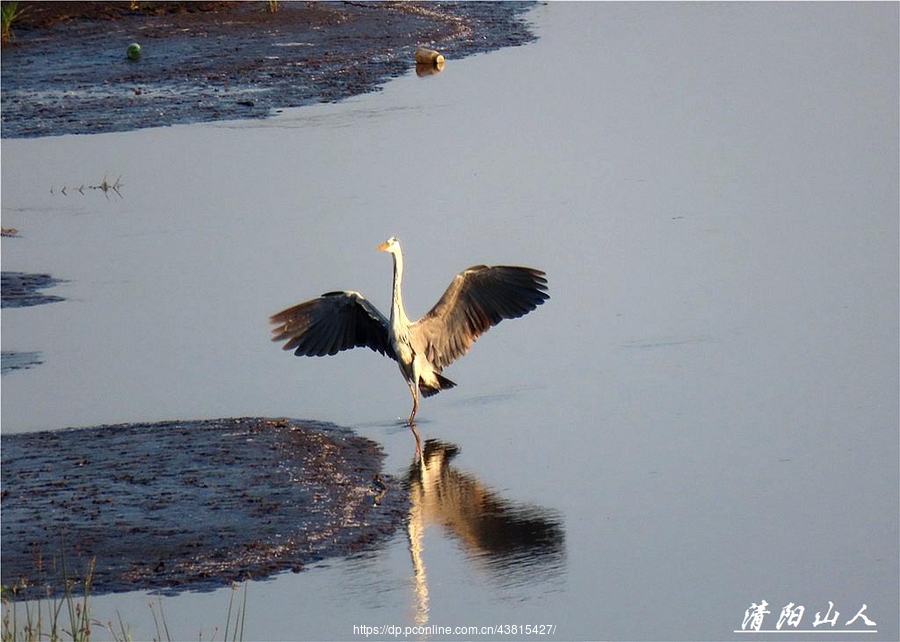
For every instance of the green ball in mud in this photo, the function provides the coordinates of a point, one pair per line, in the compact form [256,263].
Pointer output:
[134,51]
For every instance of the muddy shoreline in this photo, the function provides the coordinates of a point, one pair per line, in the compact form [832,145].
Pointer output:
[68,73]
[22,290]
[185,505]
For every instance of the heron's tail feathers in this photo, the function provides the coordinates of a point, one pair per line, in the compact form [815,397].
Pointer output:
[443,384]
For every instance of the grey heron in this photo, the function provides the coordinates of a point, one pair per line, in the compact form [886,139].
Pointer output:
[477,299]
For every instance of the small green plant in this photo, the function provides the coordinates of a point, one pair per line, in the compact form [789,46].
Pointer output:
[162,626]
[238,631]
[41,618]
[9,11]
[272,6]
[156,623]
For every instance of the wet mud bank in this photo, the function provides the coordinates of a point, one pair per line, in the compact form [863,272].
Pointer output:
[188,505]
[13,361]
[66,71]
[22,290]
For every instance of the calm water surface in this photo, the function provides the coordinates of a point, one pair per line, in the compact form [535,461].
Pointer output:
[704,415]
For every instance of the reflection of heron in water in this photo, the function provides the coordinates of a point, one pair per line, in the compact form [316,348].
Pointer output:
[476,299]
[517,542]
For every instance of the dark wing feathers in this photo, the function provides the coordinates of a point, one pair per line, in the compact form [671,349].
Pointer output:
[477,299]
[335,321]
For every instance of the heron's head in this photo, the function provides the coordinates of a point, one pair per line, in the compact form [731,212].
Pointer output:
[391,245]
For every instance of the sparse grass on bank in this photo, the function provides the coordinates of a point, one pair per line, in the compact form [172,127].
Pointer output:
[45,619]
[69,618]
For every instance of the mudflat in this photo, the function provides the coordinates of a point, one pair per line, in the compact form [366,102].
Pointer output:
[66,68]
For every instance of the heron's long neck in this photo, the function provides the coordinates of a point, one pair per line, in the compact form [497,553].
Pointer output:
[397,311]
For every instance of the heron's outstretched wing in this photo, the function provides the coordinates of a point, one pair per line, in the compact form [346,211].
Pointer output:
[335,321]
[477,299]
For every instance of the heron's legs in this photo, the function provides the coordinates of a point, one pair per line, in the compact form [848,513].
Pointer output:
[412,426]
[415,393]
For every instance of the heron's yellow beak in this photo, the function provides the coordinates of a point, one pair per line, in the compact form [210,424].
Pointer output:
[382,248]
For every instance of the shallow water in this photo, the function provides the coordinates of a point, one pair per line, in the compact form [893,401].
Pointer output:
[707,406]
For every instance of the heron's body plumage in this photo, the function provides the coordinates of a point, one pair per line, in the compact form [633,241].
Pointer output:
[477,299]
